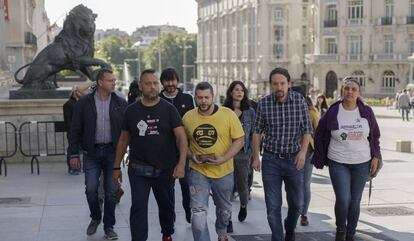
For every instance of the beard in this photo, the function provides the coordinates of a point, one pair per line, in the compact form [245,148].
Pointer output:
[204,107]
[170,89]
[280,94]
[150,96]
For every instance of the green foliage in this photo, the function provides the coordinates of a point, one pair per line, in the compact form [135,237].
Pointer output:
[171,46]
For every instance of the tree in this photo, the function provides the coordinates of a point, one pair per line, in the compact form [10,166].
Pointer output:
[172,46]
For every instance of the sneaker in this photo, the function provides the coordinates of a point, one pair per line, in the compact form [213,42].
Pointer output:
[349,237]
[230,227]
[187,215]
[110,234]
[166,238]
[93,225]
[304,220]
[290,236]
[242,213]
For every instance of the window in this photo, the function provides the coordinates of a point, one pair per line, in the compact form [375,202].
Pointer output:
[355,9]
[278,32]
[412,8]
[331,13]
[355,45]
[388,44]
[331,46]
[305,13]
[388,79]
[389,8]
[277,51]
[360,76]
[278,14]
[411,43]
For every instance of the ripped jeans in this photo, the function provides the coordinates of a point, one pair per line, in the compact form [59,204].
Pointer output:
[200,187]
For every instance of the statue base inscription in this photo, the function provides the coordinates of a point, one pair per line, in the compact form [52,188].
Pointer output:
[59,93]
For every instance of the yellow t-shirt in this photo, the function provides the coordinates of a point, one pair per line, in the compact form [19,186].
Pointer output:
[212,134]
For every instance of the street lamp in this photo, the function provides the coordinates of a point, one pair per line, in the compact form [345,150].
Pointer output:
[185,47]
[138,44]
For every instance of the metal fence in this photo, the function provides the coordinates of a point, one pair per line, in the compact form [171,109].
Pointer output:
[42,138]
[8,143]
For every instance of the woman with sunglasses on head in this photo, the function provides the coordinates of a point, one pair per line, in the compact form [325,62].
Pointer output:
[347,141]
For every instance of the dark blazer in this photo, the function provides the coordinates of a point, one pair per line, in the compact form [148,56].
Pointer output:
[68,113]
[329,122]
[82,132]
[183,102]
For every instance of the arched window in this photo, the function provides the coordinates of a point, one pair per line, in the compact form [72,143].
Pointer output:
[360,76]
[388,79]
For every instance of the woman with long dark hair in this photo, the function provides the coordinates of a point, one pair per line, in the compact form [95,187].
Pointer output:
[321,104]
[237,100]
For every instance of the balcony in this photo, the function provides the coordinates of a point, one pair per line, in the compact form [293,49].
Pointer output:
[410,19]
[330,2]
[390,57]
[321,58]
[355,21]
[386,21]
[330,23]
[354,57]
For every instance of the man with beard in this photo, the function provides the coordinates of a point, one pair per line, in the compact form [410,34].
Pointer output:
[150,125]
[283,118]
[215,135]
[183,102]
[96,126]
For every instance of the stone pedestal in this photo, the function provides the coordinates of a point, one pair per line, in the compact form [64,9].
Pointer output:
[404,146]
[60,93]
[20,111]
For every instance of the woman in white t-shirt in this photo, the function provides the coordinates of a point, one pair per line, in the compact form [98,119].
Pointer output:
[347,140]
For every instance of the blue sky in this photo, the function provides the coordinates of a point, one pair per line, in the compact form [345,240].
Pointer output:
[129,14]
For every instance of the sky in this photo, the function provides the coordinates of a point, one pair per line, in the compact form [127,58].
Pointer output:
[127,15]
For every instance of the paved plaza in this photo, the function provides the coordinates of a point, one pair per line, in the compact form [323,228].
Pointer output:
[52,206]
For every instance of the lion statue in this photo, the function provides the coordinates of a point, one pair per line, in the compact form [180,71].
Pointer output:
[72,49]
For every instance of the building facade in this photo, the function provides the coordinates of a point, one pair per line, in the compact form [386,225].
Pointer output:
[146,34]
[24,30]
[368,39]
[246,39]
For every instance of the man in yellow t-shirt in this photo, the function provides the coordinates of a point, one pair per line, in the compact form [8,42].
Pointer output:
[216,135]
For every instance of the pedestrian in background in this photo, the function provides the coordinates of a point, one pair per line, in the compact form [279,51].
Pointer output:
[150,124]
[347,141]
[77,92]
[404,104]
[321,104]
[307,173]
[283,118]
[216,136]
[183,102]
[96,126]
[237,99]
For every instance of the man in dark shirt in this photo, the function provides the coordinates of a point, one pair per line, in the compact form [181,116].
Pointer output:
[96,125]
[153,129]
[283,119]
[182,102]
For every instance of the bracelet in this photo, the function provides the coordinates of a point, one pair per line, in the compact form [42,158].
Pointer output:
[117,168]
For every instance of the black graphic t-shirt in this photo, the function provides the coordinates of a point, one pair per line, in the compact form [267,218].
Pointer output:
[152,139]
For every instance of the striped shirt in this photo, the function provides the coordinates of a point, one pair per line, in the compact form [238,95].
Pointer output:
[282,123]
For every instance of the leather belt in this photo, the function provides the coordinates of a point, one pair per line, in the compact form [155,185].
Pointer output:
[103,145]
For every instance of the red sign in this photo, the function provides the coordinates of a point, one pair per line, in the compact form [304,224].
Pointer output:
[6,10]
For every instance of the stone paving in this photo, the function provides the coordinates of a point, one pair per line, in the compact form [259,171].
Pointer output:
[52,206]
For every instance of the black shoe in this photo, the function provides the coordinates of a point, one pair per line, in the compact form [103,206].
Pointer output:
[242,213]
[290,236]
[340,236]
[93,225]
[304,220]
[230,227]
[349,237]
[110,234]
[187,214]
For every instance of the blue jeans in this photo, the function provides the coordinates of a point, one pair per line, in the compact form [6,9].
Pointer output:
[100,159]
[307,179]
[200,187]
[163,189]
[274,172]
[348,183]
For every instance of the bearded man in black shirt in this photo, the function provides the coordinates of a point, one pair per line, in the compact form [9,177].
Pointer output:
[153,129]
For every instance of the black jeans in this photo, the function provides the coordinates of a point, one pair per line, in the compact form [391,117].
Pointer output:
[163,189]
